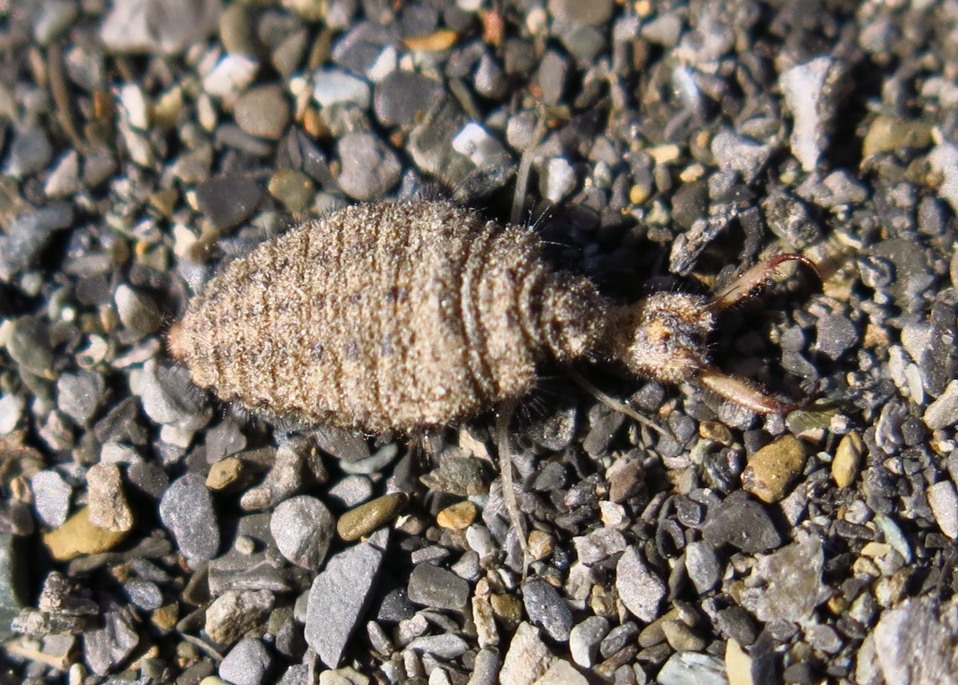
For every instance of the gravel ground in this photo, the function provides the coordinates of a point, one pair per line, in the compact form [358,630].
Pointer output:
[150,534]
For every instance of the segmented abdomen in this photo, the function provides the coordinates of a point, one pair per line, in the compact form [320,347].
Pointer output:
[384,316]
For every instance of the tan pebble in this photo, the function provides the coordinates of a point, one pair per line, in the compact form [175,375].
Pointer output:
[541,544]
[875,549]
[78,535]
[294,189]
[165,617]
[367,517]
[226,472]
[738,664]
[458,516]
[715,431]
[847,459]
[108,505]
[773,469]
[482,613]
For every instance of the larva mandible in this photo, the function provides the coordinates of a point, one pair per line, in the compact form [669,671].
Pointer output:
[399,315]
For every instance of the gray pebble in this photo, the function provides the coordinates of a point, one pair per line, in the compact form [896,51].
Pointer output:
[370,167]
[222,440]
[51,497]
[158,26]
[618,638]
[341,590]
[335,87]
[168,396]
[228,200]
[740,521]
[64,179]
[639,588]
[551,77]
[351,490]
[137,311]
[789,219]
[545,608]
[943,412]
[108,645]
[436,587]
[404,96]
[741,154]
[29,232]
[303,528]
[187,512]
[80,394]
[246,664]
[558,180]
[144,594]
[703,566]
[692,668]
[915,642]
[576,12]
[787,584]
[836,335]
[447,646]
[600,544]
[490,80]
[584,639]
[263,111]
[29,153]
[805,87]
[943,500]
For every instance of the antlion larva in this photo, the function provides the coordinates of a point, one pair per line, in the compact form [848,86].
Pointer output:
[398,315]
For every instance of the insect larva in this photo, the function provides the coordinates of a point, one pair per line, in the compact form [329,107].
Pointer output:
[399,315]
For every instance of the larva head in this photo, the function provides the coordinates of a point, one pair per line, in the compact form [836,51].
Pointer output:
[664,336]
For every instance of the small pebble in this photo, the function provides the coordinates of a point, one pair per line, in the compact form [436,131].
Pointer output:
[246,664]
[187,512]
[943,412]
[787,584]
[741,522]
[547,609]
[108,504]
[78,535]
[436,587]
[137,311]
[848,456]
[370,516]
[692,668]
[584,639]
[702,565]
[51,497]
[234,613]
[773,469]
[303,529]
[639,588]
[457,516]
[262,111]
[369,167]
[943,500]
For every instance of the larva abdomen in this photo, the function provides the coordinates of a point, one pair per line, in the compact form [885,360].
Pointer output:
[386,316]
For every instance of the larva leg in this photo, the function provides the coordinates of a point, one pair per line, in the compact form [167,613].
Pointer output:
[756,277]
[503,418]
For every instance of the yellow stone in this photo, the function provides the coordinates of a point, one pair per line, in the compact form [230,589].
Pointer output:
[847,459]
[773,469]
[78,536]
[738,664]
[367,517]
[458,516]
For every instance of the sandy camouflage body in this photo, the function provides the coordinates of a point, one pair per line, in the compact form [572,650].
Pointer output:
[399,315]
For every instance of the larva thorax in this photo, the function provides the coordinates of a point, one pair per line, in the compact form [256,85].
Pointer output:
[387,316]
